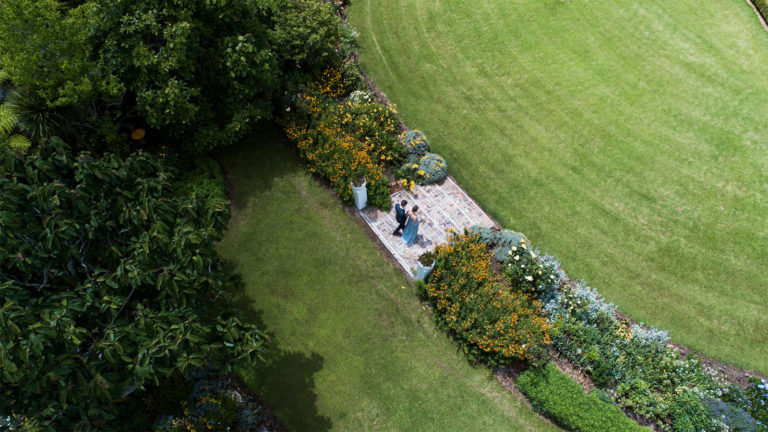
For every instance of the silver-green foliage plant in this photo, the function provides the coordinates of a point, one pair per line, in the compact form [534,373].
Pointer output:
[415,142]
[434,167]
[636,364]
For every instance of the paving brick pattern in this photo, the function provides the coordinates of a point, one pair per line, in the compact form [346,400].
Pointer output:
[443,207]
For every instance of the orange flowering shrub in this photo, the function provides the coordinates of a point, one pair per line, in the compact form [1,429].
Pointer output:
[371,123]
[339,157]
[490,320]
[330,83]
[342,141]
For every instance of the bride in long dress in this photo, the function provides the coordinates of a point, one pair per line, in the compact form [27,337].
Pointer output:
[411,230]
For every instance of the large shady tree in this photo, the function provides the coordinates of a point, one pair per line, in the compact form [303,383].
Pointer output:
[109,280]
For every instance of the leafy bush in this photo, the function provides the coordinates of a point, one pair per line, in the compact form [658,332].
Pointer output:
[731,415]
[434,167]
[352,76]
[645,373]
[500,242]
[753,399]
[305,32]
[379,194]
[690,415]
[427,258]
[126,275]
[203,178]
[558,396]
[372,124]
[330,83]
[486,235]
[337,156]
[490,320]
[409,174]
[342,141]
[415,142]
[349,41]
[526,273]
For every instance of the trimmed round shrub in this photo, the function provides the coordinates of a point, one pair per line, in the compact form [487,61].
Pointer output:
[434,167]
[415,142]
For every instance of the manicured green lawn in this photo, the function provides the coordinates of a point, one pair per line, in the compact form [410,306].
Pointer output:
[629,138]
[353,349]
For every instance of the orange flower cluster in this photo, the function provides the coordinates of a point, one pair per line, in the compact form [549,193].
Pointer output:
[330,83]
[337,156]
[344,141]
[490,319]
[371,123]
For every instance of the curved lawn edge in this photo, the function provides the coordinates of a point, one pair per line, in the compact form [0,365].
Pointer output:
[352,346]
[746,363]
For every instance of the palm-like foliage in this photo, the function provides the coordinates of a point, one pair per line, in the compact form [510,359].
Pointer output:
[8,130]
[34,119]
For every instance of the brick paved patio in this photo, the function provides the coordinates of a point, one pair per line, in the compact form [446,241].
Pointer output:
[443,206]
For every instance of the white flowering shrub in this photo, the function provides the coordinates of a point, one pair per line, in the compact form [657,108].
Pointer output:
[360,97]
[526,273]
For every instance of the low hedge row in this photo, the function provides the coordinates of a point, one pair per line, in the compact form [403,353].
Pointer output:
[557,396]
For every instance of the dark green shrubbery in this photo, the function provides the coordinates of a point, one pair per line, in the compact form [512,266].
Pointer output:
[124,272]
[559,397]
[204,178]
[211,406]
[690,415]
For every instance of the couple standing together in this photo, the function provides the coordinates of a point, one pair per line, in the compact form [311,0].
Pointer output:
[407,221]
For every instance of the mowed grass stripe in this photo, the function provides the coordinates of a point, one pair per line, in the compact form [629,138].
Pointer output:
[352,347]
[627,138]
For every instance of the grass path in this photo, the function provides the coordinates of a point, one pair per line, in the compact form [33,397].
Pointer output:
[353,350]
[627,138]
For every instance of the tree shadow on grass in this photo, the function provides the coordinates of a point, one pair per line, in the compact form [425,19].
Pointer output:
[251,166]
[286,382]
[285,379]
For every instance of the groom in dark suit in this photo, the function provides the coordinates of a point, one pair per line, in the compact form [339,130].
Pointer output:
[400,217]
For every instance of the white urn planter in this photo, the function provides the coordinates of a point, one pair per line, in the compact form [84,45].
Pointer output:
[360,195]
[422,271]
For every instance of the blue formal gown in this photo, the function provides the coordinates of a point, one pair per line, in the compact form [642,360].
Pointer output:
[411,231]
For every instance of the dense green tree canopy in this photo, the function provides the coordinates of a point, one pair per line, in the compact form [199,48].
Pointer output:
[202,73]
[46,48]
[108,281]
